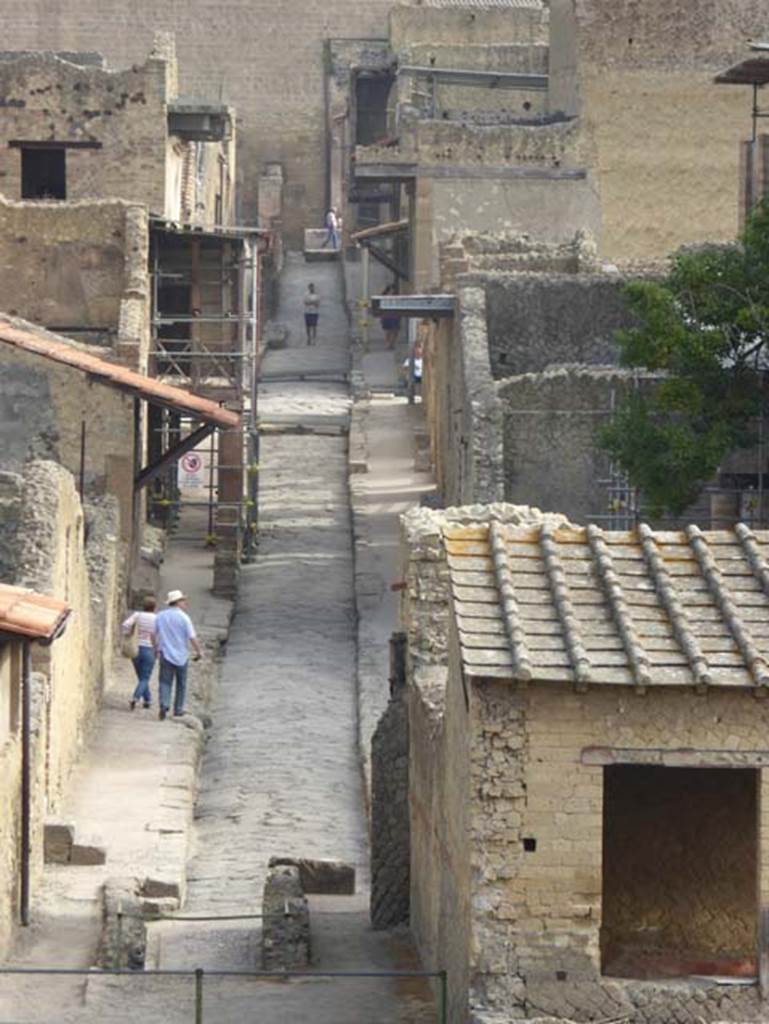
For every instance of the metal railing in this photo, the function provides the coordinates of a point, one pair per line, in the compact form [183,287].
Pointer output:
[199,974]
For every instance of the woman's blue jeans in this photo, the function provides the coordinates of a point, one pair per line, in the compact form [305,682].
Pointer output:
[144,663]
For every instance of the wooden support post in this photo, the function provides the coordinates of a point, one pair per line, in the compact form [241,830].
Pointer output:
[229,512]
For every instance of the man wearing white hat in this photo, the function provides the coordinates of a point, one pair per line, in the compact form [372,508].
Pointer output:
[174,635]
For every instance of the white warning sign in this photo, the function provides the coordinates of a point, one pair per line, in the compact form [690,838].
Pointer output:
[191,472]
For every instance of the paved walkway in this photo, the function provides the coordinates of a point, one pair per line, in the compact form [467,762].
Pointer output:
[132,792]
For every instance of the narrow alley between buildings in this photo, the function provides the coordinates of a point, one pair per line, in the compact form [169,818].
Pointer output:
[281,770]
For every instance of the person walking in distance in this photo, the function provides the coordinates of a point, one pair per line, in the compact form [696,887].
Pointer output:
[174,636]
[144,662]
[332,230]
[311,308]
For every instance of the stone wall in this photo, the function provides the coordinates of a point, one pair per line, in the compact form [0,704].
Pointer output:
[551,426]
[82,266]
[390,846]
[234,54]
[618,65]
[42,407]
[440,906]
[461,406]
[535,320]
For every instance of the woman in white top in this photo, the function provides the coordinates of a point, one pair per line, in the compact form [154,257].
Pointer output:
[144,662]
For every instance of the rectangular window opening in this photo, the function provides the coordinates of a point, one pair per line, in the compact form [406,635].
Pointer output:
[43,172]
[679,872]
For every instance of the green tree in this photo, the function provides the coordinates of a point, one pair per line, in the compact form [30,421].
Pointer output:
[705,329]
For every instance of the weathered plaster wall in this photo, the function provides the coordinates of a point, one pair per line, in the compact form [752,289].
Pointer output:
[45,404]
[621,66]
[54,557]
[412,25]
[10,781]
[548,208]
[79,265]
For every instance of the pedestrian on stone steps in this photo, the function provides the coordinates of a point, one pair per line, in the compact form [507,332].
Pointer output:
[144,662]
[311,308]
[332,229]
[174,636]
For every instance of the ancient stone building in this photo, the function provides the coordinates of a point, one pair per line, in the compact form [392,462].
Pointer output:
[639,81]
[266,59]
[518,383]
[586,769]
[72,129]
[547,119]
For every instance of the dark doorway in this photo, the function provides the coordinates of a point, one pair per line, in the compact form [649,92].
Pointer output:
[371,94]
[43,173]
[679,871]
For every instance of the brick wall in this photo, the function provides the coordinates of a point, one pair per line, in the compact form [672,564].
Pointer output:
[265,58]
[538,909]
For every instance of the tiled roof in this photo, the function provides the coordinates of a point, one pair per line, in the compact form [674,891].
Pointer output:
[31,615]
[42,343]
[592,607]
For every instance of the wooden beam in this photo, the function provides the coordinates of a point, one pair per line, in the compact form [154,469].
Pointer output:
[386,261]
[148,474]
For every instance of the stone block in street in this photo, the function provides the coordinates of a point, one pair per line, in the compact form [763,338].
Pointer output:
[57,843]
[286,924]
[321,877]
[83,855]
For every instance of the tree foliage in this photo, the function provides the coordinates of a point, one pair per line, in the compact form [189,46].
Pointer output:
[705,329]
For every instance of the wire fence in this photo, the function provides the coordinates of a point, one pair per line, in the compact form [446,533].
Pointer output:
[199,976]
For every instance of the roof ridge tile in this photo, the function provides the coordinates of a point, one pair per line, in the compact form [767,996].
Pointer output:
[620,612]
[757,664]
[511,613]
[559,588]
[679,620]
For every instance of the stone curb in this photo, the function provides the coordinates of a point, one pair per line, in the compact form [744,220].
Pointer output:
[362,567]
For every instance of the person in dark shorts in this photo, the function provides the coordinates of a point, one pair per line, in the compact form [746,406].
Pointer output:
[311,307]
[391,324]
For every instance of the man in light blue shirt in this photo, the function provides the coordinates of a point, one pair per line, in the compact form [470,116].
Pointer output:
[174,635]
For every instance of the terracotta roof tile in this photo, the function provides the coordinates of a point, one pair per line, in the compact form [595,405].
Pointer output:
[591,607]
[50,346]
[28,614]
